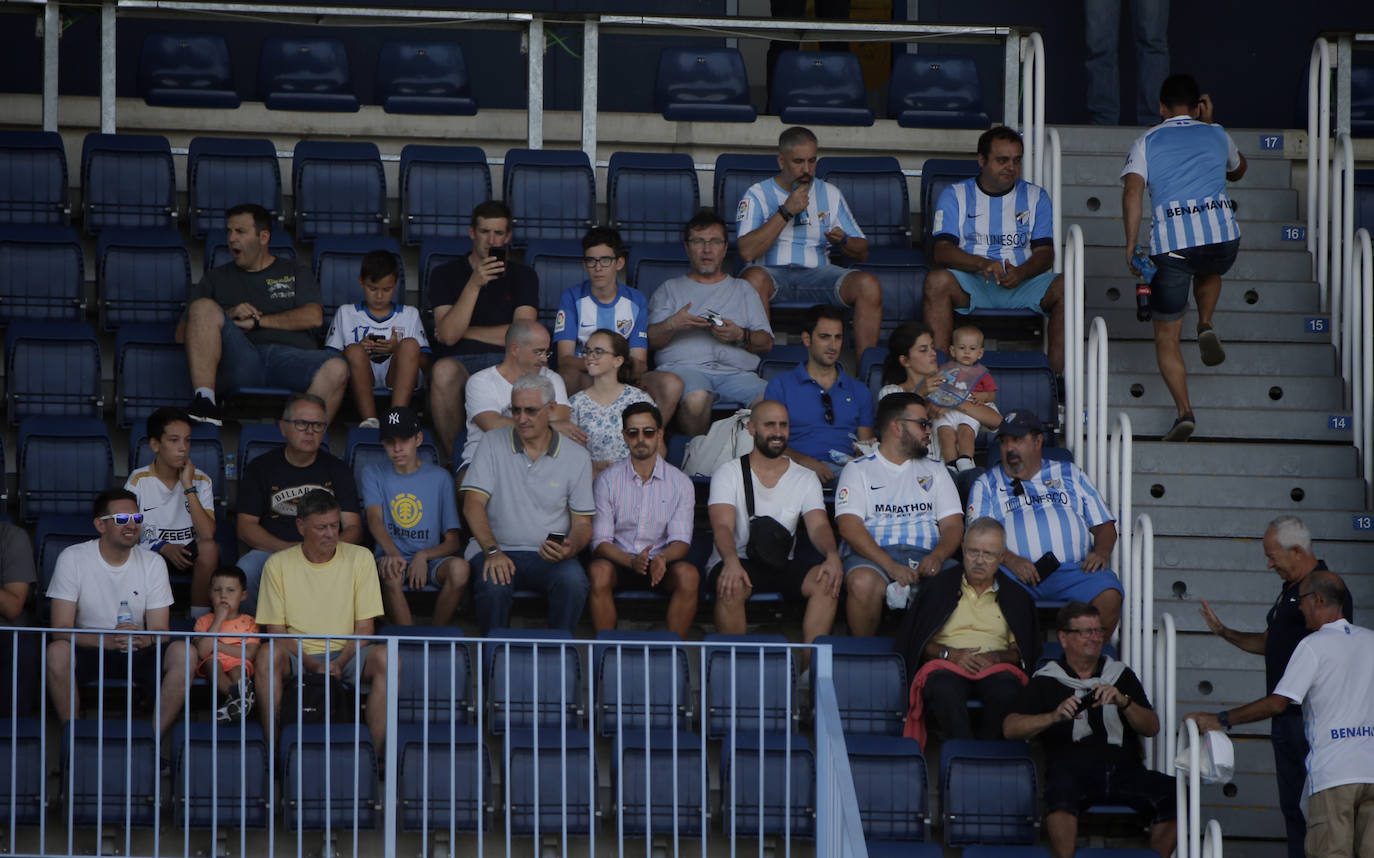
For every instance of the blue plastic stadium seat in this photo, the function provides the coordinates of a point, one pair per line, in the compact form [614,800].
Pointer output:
[306,74]
[649,196]
[440,185]
[311,766]
[257,438]
[1361,98]
[44,274]
[427,77]
[207,452]
[555,666]
[890,782]
[552,788]
[340,189]
[445,782]
[1102,852]
[150,373]
[871,370]
[819,88]
[876,192]
[223,172]
[433,253]
[935,92]
[223,780]
[109,768]
[33,178]
[127,181]
[648,772]
[789,785]
[903,849]
[52,534]
[622,671]
[63,465]
[336,261]
[652,265]
[364,448]
[558,265]
[735,174]
[217,250]
[551,193]
[732,679]
[936,175]
[53,370]
[903,283]
[1016,852]
[783,358]
[989,791]
[702,85]
[142,277]
[870,685]
[1024,382]
[186,70]
[20,744]
[1364,199]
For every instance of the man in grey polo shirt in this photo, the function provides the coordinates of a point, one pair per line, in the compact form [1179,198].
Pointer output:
[528,501]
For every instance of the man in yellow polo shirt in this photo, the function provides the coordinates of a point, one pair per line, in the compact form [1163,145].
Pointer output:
[320,587]
[971,633]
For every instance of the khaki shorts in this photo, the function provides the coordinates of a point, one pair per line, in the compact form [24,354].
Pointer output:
[1340,822]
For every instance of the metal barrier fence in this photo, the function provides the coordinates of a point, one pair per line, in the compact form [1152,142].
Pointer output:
[509,745]
[1188,793]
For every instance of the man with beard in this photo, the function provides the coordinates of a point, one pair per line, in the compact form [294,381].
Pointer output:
[786,493]
[643,527]
[1060,533]
[897,512]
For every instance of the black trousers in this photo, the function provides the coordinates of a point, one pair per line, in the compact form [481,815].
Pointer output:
[947,695]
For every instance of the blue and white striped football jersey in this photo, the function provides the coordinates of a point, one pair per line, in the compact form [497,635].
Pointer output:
[1008,226]
[580,315]
[1184,163]
[802,241]
[899,504]
[1055,510]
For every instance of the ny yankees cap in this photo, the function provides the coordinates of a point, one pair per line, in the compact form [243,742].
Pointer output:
[399,422]
[1019,423]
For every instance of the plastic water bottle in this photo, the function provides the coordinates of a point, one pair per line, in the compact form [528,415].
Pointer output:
[231,468]
[126,614]
[1142,262]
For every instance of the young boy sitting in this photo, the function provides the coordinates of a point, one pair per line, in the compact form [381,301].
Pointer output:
[956,431]
[412,514]
[234,657]
[178,503]
[384,344]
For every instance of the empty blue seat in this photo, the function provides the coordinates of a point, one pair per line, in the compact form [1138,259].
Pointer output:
[445,782]
[735,174]
[551,193]
[340,189]
[33,178]
[819,88]
[551,780]
[788,796]
[150,373]
[63,465]
[440,185]
[223,172]
[223,779]
[1361,98]
[1016,852]
[702,85]
[1364,199]
[53,370]
[903,849]
[870,685]
[127,181]
[217,250]
[935,92]
[890,783]
[871,369]
[536,679]
[52,534]
[989,792]
[142,277]
[558,265]
[877,195]
[44,274]
[1102,852]
[336,261]
[21,770]
[433,253]
[650,776]
[783,358]
[649,196]
[207,452]
[652,265]
[632,679]
[1024,382]
[903,282]
[109,773]
[732,683]
[435,677]
[936,175]
[324,780]
[306,74]
[186,70]
[428,77]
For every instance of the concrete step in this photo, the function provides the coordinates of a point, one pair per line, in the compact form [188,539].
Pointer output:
[1242,552]
[1240,599]
[1262,265]
[1274,296]
[1241,358]
[1255,234]
[1289,393]
[1088,169]
[1248,424]
[1232,327]
[1078,140]
[1323,461]
[1104,201]
[1294,494]
[1209,520]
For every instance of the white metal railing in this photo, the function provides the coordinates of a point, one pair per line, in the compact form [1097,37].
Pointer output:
[1033,160]
[1360,319]
[1211,841]
[1318,157]
[839,830]
[1094,462]
[1342,235]
[1073,343]
[1120,467]
[1163,691]
[1054,183]
[1188,794]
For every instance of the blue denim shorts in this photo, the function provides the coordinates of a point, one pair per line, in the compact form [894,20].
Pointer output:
[1176,270]
[243,364]
[797,284]
[741,387]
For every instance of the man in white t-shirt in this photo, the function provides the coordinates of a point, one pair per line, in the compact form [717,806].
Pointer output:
[178,504]
[897,511]
[94,583]
[787,493]
[1329,674]
[488,392]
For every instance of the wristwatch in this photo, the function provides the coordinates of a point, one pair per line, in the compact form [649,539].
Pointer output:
[944,652]
[786,215]
[257,322]
[192,490]
[1224,719]
[1127,705]
[493,550]
[744,338]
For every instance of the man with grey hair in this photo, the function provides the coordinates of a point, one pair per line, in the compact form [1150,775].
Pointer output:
[489,391]
[788,226]
[273,482]
[1288,550]
[527,497]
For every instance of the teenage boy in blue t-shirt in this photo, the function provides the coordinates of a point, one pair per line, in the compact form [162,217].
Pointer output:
[413,517]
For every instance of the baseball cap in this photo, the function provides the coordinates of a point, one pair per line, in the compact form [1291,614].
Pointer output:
[1019,423]
[399,422]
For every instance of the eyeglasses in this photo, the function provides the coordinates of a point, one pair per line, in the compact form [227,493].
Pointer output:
[647,432]
[698,243]
[923,422]
[1018,489]
[1095,632]
[541,353]
[978,554]
[529,411]
[122,518]
[308,425]
[829,405]
[598,261]
[599,353]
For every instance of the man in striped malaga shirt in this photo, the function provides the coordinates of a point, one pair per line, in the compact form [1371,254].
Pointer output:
[1186,160]
[994,243]
[789,224]
[1060,533]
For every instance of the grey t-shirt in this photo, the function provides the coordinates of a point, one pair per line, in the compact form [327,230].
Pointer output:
[16,565]
[526,501]
[732,298]
[284,285]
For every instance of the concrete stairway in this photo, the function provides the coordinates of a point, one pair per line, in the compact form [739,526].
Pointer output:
[1264,446]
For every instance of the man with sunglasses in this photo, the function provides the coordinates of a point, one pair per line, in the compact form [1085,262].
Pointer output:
[897,512]
[1060,533]
[643,527]
[92,585]
[273,483]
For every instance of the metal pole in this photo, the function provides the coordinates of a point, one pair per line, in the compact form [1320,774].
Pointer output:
[591,40]
[52,31]
[1011,77]
[1343,60]
[107,68]
[535,57]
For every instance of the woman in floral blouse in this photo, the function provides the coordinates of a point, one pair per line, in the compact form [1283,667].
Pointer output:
[597,409]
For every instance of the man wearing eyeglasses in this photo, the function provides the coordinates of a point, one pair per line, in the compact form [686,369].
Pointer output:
[643,527]
[897,511]
[707,329]
[527,497]
[1089,710]
[1060,533]
[600,301]
[274,481]
[92,585]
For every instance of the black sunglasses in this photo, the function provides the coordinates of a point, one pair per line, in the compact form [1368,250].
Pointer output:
[829,407]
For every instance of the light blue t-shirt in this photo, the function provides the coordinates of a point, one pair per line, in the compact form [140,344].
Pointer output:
[802,240]
[418,508]
[1006,227]
[580,315]
[1184,163]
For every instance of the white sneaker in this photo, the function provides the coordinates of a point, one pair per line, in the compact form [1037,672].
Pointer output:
[370,423]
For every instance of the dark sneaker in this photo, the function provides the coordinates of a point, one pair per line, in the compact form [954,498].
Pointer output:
[202,410]
[1182,429]
[1210,345]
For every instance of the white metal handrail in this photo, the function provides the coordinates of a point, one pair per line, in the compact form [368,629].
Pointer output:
[1342,235]
[1164,693]
[1188,795]
[1073,343]
[1120,464]
[1211,841]
[1033,108]
[1095,461]
[1360,320]
[1318,157]
[1054,183]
